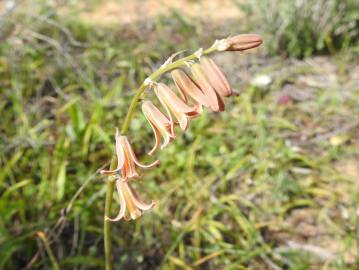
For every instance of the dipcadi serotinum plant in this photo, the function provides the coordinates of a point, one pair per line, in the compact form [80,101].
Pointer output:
[200,84]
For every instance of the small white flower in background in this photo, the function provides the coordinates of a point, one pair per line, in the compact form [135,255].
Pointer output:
[261,81]
[10,4]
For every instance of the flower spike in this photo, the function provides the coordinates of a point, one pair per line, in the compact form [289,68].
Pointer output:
[203,86]
[129,201]
[159,123]
[126,159]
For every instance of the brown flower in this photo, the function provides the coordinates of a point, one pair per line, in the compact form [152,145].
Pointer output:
[241,42]
[126,159]
[131,206]
[188,88]
[216,77]
[215,102]
[160,125]
[174,105]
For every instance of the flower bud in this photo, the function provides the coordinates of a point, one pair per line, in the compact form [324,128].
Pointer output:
[241,42]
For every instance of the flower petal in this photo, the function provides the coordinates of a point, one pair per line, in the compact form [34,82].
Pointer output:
[187,86]
[157,138]
[132,210]
[129,168]
[175,105]
[120,155]
[134,158]
[216,77]
[138,202]
[122,211]
[159,123]
[172,100]
[215,102]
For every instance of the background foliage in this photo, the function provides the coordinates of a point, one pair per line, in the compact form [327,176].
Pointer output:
[300,28]
[270,183]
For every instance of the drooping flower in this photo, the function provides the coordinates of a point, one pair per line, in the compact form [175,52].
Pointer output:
[174,105]
[126,159]
[188,88]
[159,123]
[131,206]
[216,77]
[201,79]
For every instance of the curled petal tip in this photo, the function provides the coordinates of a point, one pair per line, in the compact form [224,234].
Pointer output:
[113,219]
[235,93]
[160,124]
[131,206]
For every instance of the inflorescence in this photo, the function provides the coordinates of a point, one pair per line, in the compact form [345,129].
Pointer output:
[203,85]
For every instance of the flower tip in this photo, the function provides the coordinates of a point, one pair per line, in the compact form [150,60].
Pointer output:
[108,219]
[235,93]
[156,163]
[108,172]
[243,42]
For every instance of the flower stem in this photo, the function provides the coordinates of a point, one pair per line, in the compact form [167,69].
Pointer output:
[43,238]
[107,223]
[111,184]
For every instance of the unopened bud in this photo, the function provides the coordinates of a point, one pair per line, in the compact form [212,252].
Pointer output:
[241,42]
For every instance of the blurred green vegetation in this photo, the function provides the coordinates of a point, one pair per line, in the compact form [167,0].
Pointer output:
[233,192]
[301,28]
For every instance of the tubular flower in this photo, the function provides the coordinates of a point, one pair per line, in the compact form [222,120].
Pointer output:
[129,201]
[159,123]
[126,159]
[214,100]
[173,104]
[187,87]
[241,42]
[216,77]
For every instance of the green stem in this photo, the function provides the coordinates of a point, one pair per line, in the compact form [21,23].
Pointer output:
[111,184]
[54,263]
[107,225]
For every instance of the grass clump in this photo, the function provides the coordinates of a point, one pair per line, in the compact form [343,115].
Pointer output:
[302,28]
